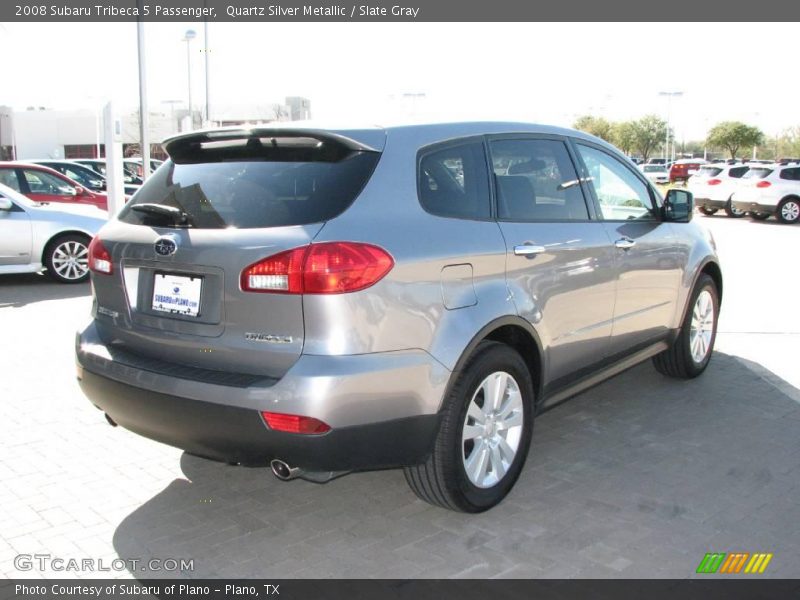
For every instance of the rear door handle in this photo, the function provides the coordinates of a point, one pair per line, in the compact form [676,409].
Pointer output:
[625,243]
[529,250]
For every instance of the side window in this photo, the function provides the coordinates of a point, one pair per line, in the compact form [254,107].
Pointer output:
[536,181]
[9,177]
[622,195]
[737,172]
[40,182]
[454,182]
[791,174]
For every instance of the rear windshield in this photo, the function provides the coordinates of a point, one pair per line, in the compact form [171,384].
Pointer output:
[249,194]
[655,169]
[709,171]
[756,173]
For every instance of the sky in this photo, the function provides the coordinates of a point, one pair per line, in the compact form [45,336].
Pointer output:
[374,73]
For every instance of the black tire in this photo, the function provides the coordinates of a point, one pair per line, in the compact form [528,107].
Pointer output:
[759,216]
[55,251]
[708,211]
[677,361]
[442,479]
[732,212]
[788,211]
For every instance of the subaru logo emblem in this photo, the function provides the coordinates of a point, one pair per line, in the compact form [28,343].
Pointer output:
[166,246]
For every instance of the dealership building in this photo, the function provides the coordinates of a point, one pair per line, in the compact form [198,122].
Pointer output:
[39,132]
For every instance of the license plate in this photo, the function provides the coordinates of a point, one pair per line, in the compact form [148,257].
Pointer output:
[177,294]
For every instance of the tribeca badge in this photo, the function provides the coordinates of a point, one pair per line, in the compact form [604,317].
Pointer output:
[735,562]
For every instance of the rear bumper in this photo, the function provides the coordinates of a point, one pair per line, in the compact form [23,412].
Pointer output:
[383,418]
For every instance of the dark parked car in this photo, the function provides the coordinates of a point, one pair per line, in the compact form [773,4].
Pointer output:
[82,174]
[328,301]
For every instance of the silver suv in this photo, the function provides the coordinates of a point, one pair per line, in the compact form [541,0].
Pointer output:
[328,301]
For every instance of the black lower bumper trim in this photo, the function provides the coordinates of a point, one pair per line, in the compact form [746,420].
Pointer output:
[706,203]
[764,209]
[239,435]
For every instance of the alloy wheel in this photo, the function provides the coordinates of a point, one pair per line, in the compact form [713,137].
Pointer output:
[790,211]
[702,328]
[71,260]
[492,429]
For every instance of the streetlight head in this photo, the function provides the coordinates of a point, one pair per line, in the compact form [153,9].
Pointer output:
[189,35]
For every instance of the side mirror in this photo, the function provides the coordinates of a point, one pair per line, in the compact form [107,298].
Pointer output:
[678,206]
[5,204]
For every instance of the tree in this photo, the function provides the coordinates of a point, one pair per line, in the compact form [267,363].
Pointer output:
[624,136]
[733,135]
[597,126]
[647,133]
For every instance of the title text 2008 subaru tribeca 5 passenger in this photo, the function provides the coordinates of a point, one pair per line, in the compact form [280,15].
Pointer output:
[324,301]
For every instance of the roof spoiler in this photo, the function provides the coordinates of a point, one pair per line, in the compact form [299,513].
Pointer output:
[187,147]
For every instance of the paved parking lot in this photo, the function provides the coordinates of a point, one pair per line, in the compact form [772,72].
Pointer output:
[639,477]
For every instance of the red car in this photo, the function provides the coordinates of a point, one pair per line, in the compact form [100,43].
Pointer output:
[42,184]
[682,169]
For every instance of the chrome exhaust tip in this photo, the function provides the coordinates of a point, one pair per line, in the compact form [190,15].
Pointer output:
[283,471]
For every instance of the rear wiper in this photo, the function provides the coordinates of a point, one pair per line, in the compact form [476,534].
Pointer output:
[176,215]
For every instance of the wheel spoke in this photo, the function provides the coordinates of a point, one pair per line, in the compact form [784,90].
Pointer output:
[474,411]
[512,420]
[477,463]
[506,450]
[498,468]
[497,390]
[471,432]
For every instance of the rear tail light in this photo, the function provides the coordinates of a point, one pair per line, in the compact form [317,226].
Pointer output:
[295,423]
[714,181]
[325,268]
[99,257]
[763,184]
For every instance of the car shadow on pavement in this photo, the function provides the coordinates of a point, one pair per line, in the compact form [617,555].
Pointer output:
[637,477]
[20,290]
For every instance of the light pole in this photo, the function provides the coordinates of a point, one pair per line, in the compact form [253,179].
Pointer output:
[188,37]
[669,96]
[208,85]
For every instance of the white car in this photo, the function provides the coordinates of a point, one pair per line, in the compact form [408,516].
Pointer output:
[38,235]
[713,187]
[768,190]
[656,173]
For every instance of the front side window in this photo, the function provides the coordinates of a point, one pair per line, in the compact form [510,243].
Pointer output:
[453,182]
[40,182]
[622,196]
[9,177]
[536,181]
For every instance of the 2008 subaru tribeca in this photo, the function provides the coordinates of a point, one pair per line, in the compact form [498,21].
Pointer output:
[324,301]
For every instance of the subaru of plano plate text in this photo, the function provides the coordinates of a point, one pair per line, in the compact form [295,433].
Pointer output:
[323,301]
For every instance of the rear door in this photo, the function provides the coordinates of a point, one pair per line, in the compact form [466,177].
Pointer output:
[560,261]
[650,259]
[176,291]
